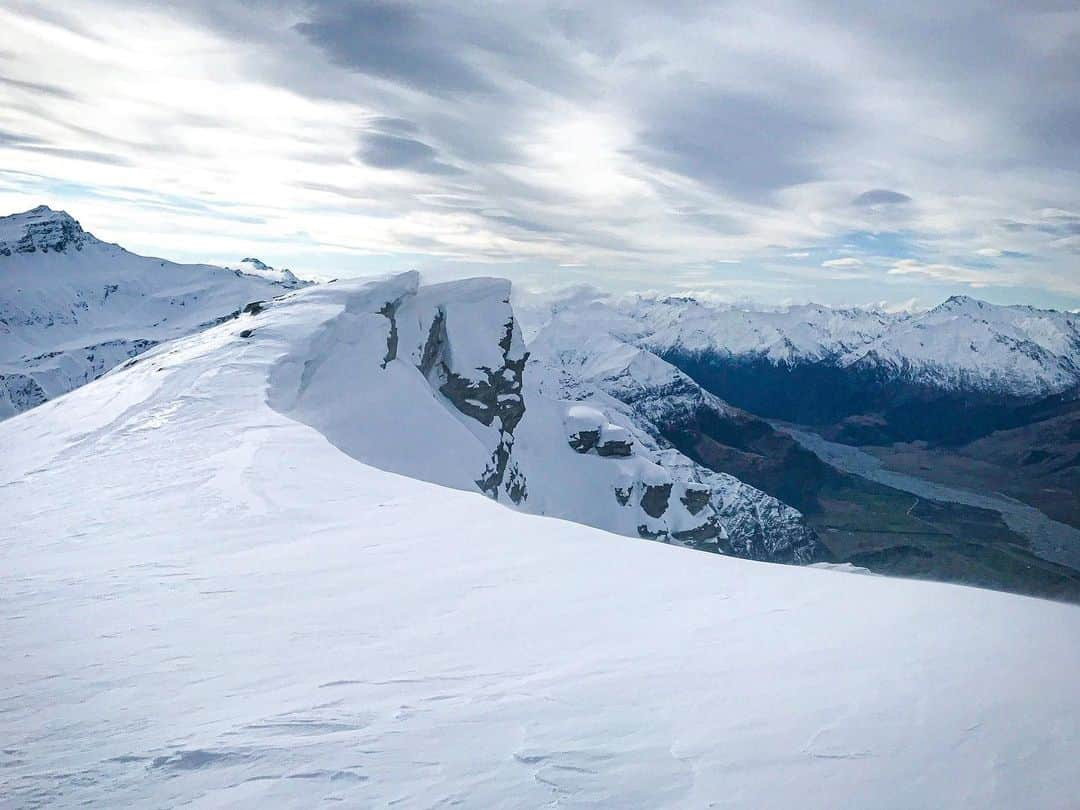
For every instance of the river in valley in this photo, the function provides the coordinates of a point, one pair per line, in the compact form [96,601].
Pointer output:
[1051,540]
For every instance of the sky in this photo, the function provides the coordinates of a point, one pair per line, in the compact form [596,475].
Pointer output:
[778,152]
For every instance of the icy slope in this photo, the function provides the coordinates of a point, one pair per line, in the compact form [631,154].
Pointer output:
[432,381]
[72,306]
[207,603]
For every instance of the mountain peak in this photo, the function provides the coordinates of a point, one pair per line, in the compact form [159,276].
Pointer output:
[955,303]
[40,229]
[251,266]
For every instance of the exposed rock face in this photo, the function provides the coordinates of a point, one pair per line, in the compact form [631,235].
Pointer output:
[54,373]
[19,392]
[486,391]
[587,430]
[655,498]
[40,229]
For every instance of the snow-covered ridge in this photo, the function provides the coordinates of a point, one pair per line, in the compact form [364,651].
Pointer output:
[207,604]
[434,382]
[73,306]
[962,344]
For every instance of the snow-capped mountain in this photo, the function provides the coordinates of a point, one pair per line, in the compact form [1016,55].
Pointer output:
[207,603]
[958,370]
[963,343]
[72,306]
[434,382]
[254,267]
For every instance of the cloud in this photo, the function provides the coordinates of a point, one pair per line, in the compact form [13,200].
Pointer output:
[38,88]
[974,277]
[384,151]
[741,144]
[631,143]
[392,41]
[881,196]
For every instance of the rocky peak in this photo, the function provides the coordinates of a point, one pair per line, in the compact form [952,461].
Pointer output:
[250,266]
[961,304]
[42,230]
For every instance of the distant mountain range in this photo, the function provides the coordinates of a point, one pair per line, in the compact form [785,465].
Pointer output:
[951,374]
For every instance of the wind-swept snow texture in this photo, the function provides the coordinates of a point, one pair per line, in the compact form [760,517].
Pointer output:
[72,307]
[206,603]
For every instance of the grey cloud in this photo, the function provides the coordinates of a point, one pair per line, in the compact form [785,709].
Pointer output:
[746,145]
[82,154]
[398,126]
[519,222]
[15,140]
[392,41]
[384,151]
[881,196]
[27,143]
[464,95]
[448,51]
[38,87]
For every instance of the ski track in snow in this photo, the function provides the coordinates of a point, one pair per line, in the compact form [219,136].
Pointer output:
[206,603]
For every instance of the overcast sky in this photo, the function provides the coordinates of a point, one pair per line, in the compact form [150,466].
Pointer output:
[846,152]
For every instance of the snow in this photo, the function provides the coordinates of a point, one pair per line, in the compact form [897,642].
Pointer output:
[255,267]
[67,316]
[962,344]
[207,603]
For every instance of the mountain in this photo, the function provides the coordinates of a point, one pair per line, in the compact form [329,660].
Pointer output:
[72,307]
[581,359]
[948,375]
[660,363]
[574,410]
[208,603]
[79,307]
[434,382]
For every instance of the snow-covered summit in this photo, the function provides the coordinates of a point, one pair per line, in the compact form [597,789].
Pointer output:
[968,344]
[255,267]
[41,229]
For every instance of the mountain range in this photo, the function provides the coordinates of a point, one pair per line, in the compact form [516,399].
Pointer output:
[649,417]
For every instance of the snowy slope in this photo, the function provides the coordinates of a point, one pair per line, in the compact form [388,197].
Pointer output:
[963,344]
[72,306]
[207,603]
